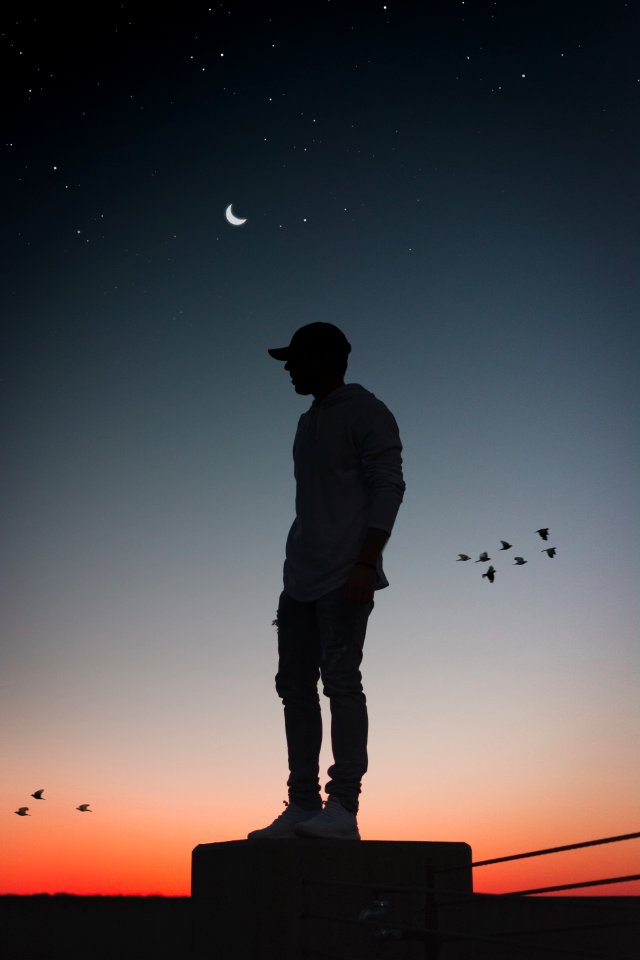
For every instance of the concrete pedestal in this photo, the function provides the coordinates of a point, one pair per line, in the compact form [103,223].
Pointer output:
[293,899]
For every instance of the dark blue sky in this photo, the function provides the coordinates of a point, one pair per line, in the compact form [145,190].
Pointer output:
[455,185]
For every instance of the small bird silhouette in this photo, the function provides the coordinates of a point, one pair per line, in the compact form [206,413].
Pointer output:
[490,574]
[463,556]
[544,532]
[505,545]
[38,794]
[550,551]
[483,558]
[22,812]
[84,808]
[519,561]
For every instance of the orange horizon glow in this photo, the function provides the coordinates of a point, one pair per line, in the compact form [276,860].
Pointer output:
[93,858]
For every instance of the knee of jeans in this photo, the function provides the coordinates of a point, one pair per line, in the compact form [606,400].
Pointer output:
[342,685]
[288,688]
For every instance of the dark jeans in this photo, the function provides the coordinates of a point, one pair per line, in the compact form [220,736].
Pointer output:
[323,638]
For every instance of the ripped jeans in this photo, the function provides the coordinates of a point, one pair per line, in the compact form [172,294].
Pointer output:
[323,638]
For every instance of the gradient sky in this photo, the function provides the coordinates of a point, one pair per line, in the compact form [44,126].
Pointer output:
[455,185]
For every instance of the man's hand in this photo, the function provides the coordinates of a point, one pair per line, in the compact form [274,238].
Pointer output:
[361,584]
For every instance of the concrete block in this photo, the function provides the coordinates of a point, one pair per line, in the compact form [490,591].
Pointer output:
[293,899]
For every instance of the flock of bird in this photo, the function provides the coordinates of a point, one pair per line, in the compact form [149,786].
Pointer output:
[490,572]
[37,795]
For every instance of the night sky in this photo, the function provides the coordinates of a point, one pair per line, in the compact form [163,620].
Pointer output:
[454,185]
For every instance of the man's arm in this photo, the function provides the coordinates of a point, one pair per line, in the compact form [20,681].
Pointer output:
[379,448]
[373,545]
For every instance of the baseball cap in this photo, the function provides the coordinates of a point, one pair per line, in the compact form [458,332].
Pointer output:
[314,338]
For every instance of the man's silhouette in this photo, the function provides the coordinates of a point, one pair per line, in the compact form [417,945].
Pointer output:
[349,487]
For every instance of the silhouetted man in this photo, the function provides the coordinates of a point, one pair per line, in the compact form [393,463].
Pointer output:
[349,487]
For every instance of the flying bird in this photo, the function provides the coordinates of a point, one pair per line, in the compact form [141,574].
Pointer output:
[550,551]
[490,574]
[22,812]
[505,545]
[463,556]
[519,561]
[84,808]
[544,532]
[483,558]
[38,794]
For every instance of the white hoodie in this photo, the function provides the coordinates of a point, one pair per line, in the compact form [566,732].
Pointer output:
[348,470]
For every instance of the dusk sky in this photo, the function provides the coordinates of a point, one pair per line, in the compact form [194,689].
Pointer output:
[455,186]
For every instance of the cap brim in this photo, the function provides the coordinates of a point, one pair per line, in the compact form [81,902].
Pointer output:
[279,353]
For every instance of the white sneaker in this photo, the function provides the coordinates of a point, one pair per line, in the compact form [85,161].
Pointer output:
[332,823]
[282,827]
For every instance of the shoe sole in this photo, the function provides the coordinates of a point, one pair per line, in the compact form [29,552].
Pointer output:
[294,837]
[308,836]
[270,836]
[325,836]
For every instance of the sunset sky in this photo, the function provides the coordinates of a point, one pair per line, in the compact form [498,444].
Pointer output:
[454,185]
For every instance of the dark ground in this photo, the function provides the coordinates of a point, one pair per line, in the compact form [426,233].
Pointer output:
[44,927]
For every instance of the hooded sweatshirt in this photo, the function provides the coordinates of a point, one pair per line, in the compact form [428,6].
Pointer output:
[348,471]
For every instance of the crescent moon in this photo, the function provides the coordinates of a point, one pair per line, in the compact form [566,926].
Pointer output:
[236,221]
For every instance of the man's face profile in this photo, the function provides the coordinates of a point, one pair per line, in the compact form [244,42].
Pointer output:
[312,373]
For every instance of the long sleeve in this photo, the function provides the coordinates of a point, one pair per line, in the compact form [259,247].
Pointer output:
[380,450]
